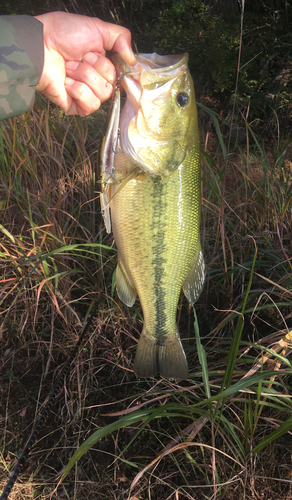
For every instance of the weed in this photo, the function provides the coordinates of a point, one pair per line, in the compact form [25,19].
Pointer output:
[224,430]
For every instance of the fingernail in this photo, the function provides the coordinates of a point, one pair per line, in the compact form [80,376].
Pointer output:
[71,64]
[131,57]
[90,58]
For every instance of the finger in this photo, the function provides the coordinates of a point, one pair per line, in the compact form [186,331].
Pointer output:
[122,47]
[102,65]
[84,101]
[84,73]
[118,38]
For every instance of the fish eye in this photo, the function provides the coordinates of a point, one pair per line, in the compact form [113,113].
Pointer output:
[182,99]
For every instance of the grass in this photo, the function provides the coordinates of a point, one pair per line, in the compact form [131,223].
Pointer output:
[224,432]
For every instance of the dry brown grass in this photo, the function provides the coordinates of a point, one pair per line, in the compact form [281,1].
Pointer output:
[49,201]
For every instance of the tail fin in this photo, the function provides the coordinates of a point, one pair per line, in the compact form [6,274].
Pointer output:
[169,359]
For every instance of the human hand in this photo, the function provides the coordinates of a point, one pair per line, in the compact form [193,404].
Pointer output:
[76,75]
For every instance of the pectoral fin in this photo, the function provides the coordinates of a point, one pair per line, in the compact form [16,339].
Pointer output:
[193,284]
[125,288]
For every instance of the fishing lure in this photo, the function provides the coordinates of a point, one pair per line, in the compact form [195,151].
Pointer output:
[107,151]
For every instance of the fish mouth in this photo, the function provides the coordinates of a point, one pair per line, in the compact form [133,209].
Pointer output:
[149,83]
[150,62]
[150,71]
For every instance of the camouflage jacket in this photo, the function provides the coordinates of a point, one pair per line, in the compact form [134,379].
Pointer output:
[21,63]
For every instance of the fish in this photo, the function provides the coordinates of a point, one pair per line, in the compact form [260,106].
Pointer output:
[151,194]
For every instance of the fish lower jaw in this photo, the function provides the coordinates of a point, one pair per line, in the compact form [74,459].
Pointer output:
[169,359]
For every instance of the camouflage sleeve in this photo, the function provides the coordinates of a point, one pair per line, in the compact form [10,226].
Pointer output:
[21,63]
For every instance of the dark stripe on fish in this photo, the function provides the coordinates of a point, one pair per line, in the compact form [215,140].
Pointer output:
[159,207]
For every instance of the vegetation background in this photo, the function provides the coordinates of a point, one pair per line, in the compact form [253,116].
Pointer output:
[226,432]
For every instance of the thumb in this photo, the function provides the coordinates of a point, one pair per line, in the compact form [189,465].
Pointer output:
[118,39]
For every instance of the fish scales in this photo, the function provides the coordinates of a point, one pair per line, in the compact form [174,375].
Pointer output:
[156,222]
[148,228]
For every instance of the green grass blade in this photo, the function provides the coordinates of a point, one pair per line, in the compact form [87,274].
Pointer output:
[232,355]
[217,126]
[202,358]
[101,433]
[282,429]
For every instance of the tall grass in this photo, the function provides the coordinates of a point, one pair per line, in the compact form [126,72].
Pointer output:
[223,432]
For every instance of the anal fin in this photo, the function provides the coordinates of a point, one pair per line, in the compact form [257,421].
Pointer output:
[193,284]
[125,288]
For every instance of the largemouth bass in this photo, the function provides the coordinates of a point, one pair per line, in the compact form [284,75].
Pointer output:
[151,188]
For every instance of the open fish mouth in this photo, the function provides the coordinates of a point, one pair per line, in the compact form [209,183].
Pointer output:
[150,85]
[151,62]
[150,72]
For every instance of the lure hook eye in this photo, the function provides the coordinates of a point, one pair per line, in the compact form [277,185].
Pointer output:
[120,77]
